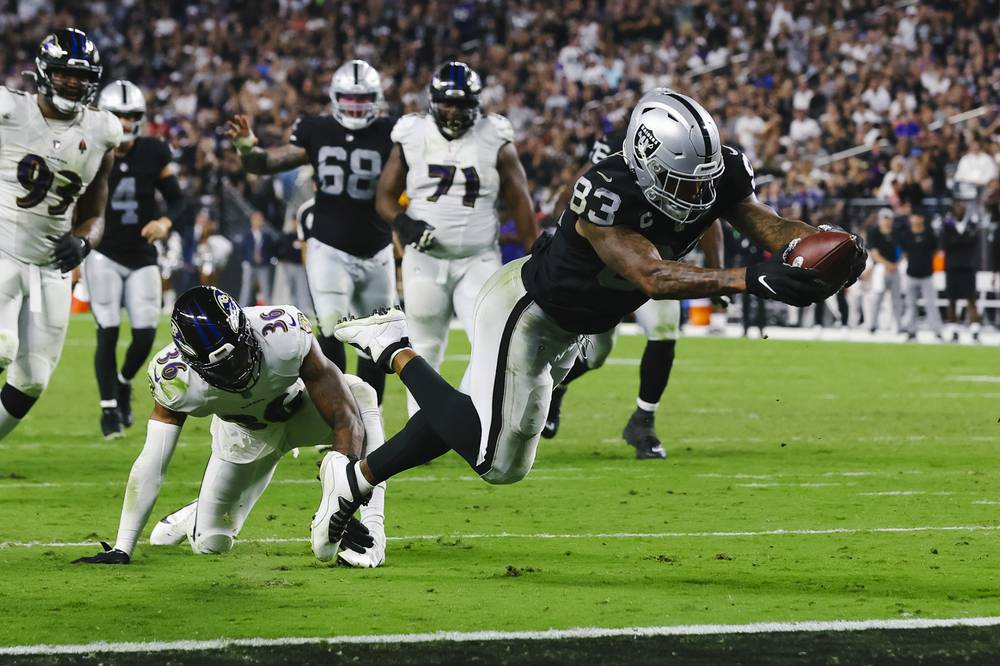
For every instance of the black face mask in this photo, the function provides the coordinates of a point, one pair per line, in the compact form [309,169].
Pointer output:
[235,373]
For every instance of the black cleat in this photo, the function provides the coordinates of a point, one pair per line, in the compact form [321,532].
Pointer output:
[125,403]
[551,426]
[111,423]
[640,433]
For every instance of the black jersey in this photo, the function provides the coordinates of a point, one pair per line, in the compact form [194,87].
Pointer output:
[567,278]
[346,164]
[606,146]
[132,202]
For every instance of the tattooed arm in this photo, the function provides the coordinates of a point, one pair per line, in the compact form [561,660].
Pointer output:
[632,256]
[259,160]
[765,227]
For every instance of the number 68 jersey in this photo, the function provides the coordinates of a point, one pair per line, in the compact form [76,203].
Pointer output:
[45,165]
[255,422]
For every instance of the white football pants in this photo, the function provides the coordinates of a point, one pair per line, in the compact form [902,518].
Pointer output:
[112,285]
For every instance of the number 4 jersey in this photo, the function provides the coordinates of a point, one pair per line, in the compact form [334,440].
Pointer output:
[252,423]
[346,166]
[565,275]
[45,165]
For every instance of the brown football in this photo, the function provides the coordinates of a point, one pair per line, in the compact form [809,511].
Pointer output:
[830,253]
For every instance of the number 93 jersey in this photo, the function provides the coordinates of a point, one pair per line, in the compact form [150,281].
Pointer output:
[248,424]
[565,275]
[45,165]
[453,185]
[346,166]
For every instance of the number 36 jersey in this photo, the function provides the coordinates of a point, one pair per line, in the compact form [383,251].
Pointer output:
[453,185]
[251,422]
[346,166]
[568,279]
[45,165]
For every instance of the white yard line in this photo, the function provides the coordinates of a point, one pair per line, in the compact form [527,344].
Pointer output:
[600,535]
[487,635]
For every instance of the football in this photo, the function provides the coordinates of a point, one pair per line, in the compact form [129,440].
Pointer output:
[830,253]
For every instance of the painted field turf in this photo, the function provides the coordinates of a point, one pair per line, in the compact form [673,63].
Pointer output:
[832,440]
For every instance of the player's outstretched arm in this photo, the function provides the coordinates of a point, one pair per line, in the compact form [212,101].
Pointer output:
[333,399]
[712,245]
[765,227]
[514,186]
[143,487]
[632,256]
[258,160]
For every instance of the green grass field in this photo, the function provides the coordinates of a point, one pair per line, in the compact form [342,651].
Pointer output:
[806,481]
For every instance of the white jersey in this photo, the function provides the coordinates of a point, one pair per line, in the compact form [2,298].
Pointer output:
[45,165]
[453,185]
[285,338]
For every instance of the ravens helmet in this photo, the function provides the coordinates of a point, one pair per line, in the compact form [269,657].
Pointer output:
[673,149]
[68,51]
[455,92]
[214,337]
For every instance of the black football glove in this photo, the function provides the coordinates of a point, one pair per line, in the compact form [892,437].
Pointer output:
[414,232]
[69,251]
[777,280]
[860,257]
[356,537]
[109,556]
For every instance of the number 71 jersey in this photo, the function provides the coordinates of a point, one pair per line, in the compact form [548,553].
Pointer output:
[45,165]
[453,185]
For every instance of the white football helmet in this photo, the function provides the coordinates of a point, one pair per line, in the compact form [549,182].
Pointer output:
[673,147]
[124,98]
[356,94]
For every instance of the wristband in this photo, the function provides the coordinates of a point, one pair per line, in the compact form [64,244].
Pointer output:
[245,144]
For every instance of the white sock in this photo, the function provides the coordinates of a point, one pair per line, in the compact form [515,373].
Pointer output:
[109,404]
[646,406]
[975,327]
[121,379]
[7,422]
[364,486]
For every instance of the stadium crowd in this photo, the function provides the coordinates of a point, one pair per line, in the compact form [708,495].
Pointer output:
[564,74]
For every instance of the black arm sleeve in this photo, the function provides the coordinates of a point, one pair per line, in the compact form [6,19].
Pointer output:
[170,188]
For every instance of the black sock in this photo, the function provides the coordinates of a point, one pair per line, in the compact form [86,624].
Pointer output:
[580,367]
[333,349]
[372,375]
[654,370]
[414,445]
[105,364]
[448,411]
[16,403]
[138,351]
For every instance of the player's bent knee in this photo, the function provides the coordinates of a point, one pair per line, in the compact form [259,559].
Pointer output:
[506,474]
[31,375]
[212,544]
[363,393]
[8,347]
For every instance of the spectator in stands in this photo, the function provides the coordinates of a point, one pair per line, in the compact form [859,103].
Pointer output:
[919,246]
[959,240]
[885,279]
[257,246]
[974,171]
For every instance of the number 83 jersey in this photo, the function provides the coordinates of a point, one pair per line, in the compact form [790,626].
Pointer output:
[565,275]
[45,165]
[252,423]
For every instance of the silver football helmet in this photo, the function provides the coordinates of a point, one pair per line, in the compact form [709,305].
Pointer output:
[356,94]
[673,147]
[124,98]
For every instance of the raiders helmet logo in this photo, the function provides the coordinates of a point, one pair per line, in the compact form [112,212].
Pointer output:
[646,142]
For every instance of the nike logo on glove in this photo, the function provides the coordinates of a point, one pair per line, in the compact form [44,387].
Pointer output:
[763,281]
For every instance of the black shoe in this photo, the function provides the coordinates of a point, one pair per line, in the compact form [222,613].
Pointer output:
[551,426]
[911,337]
[640,432]
[111,423]
[125,404]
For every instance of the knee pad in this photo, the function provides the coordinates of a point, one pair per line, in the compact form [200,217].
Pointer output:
[8,347]
[599,349]
[31,374]
[505,475]
[212,544]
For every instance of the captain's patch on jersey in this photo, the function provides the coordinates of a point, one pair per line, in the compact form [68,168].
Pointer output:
[304,323]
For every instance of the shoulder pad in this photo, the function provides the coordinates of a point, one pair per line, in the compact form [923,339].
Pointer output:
[738,181]
[285,331]
[115,134]
[598,195]
[8,102]
[501,127]
[406,127]
[300,131]
[169,378]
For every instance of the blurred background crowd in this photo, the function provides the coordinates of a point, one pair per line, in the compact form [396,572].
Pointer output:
[849,111]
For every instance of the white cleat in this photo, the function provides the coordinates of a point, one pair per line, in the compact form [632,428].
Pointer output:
[374,520]
[378,335]
[336,507]
[173,529]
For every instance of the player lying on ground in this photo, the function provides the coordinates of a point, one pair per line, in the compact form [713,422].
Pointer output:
[260,374]
[123,269]
[56,152]
[630,216]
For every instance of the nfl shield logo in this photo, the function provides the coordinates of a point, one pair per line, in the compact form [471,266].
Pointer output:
[56,144]
[83,145]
